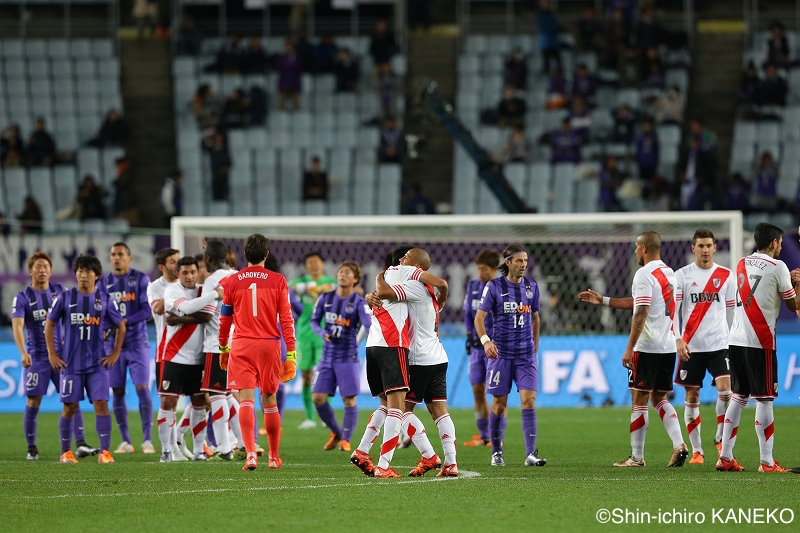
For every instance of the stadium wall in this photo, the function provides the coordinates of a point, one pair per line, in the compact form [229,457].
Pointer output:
[574,371]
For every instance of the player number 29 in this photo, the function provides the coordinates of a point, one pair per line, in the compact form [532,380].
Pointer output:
[32,381]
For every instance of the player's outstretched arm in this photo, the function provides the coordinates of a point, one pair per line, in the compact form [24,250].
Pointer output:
[440,284]
[595,298]
[200,317]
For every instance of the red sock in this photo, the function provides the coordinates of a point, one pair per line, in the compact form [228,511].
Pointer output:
[247,421]
[272,423]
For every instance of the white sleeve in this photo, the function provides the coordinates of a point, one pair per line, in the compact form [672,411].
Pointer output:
[730,291]
[784,279]
[171,296]
[411,291]
[202,303]
[361,335]
[154,294]
[643,283]
[167,195]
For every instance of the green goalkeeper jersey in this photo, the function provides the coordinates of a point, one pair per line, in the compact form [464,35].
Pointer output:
[309,290]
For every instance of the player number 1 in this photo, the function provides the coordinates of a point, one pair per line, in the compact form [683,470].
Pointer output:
[254,293]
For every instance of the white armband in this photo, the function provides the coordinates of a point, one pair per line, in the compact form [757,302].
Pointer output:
[485,339]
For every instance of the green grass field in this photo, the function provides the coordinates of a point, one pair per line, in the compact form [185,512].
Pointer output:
[320,491]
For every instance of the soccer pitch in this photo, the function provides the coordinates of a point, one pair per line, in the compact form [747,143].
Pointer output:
[318,490]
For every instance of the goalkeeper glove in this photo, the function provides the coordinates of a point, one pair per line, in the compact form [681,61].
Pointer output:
[289,369]
[224,354]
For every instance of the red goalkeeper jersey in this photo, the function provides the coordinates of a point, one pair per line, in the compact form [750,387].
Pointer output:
[256,301]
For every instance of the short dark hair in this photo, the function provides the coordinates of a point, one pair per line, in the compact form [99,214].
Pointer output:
[256,248]
[488,257]
[272,264]
[163,254]
[39,255]
[703,234]
[123,245]
[199,258]
[87,262]
[230,259]
[387,261]
[399,252]
[765,233]
[215,252]
[508,252]
[188,260]
[313,253]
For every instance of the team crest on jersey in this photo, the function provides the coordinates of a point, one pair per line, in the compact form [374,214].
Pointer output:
[98,306]
[529,294]
[717,282]
[348,309]
[684,373]
[164,384]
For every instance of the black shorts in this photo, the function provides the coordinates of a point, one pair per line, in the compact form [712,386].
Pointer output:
[177,379]
[692,372]
[428,383]
[387,369]
[754,372]
[214,378]
[651,372]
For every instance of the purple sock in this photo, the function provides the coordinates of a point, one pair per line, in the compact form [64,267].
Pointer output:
[281,397]
[77,426]
[483,427]
[121,415]
[65,431]
[529,429]
[504,423]
[349,422]
[495,432]
[146,410]
[29,424]
[103,426]
[212,440]
[326,414]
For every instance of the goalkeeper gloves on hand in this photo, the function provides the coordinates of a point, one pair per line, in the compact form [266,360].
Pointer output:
[289,369]
[224,354]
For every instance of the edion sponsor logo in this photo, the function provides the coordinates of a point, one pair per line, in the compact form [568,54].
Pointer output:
[583,371]
[84,319]
[514,307]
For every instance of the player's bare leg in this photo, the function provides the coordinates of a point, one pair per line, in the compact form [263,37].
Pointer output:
[447,434]
[669,417]
[360,456]
[395,403]
[692,419]
[481,417]
[639,424]
[723,385]
[530,428]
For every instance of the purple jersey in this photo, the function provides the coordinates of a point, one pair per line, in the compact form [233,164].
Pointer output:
[512,305]
[82,317]
[342,317]
[129,291]
[472,299]
[32,305]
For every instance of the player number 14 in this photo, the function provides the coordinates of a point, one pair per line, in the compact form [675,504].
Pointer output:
[519,321]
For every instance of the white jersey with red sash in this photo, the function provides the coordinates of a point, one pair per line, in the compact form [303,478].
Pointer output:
[704,296]
[654,285]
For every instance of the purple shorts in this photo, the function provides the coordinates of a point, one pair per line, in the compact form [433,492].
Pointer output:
[137,360]
[95,383]
[346,375]
[477,366]
[37,378]
[501,372]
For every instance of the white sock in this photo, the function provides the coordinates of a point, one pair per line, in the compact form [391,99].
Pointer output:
[233,420]
[723,399]
[186,422]
[374,424]
[732,416]
[166,423]
[447,432]
[765,429]
[640,420]
[219,419]
[691,416]
[414,428]
[174,432]
[199,421]
[391,436]
[670,419]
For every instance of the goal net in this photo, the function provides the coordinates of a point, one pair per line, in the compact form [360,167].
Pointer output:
[567,253]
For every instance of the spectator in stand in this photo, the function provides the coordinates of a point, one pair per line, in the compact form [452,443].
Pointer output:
[145,14]
[290,77]
[617,37]
[205,107]
[41,146]
[418,203]
[651,57]
[669,107]
[90,200]
[305,51]
[655,79]
[556,90]
[699,185]
[516,70]
[765,197]
[580,118]
[189,39]
[738,194]
[12,150]
[750,86]
[773,88]
[624,125]
[347,72]
[315,182]
[647,146]
[648,32]
[589,34]
[391,141]
[229,57]
[236,110]
[629,67]
[518,146]
[610,178]
[31,217]
[125,192]
[565,144]
[220,161]
[584,85]
[382,47]
[325,55]
[172,197]
[511,109]
[113,132]
[387,88]
[626,7]
[779,51]
[254,60]
[549,43]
